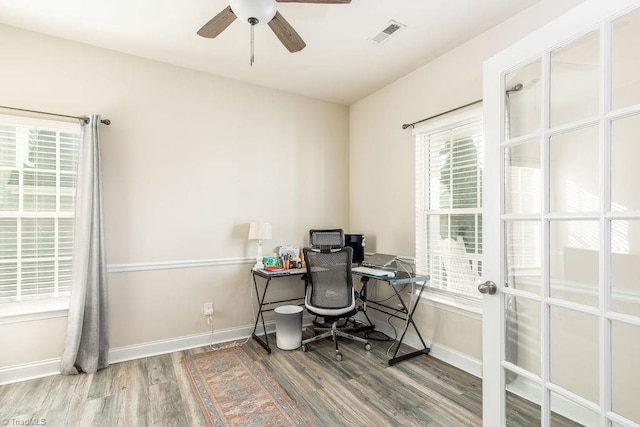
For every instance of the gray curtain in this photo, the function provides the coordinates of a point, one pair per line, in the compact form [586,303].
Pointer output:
[86,346]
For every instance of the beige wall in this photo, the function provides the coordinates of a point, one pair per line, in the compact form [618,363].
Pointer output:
[382,160]
[188,161]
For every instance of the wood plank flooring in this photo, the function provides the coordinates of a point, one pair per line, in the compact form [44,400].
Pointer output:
[361,390]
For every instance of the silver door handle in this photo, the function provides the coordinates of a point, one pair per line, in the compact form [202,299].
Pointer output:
[487,287]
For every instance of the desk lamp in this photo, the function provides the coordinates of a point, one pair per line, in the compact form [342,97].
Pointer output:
[259,231]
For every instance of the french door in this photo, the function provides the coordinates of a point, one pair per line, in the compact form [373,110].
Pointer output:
[561,333]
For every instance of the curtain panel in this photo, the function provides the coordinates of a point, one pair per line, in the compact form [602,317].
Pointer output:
[87,340]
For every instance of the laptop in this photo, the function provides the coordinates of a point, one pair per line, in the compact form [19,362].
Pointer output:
[378,260]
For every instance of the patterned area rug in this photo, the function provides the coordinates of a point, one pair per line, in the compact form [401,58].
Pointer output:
[234,391]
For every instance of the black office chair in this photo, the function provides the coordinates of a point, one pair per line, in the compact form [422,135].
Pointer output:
[330,292]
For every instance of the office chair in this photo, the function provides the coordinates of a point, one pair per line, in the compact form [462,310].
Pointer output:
[330,292]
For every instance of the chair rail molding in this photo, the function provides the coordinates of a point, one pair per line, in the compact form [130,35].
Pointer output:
[168,265]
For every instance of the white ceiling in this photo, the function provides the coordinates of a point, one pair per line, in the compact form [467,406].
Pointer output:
[339,64]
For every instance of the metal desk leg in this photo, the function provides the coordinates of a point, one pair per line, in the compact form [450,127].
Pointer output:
[260,315]
[425,349]
[363,297]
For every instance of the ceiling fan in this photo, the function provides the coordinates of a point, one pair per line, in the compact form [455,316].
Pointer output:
[257,12]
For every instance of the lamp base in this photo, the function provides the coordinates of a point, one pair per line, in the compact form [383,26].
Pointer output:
[259,265]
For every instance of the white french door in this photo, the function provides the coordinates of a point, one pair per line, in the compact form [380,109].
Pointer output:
[561,334]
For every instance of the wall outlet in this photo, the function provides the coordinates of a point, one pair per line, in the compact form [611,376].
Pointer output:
[208,308]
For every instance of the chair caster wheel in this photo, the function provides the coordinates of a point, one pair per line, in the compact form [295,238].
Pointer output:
[367,347]
[338,357]
[305,348]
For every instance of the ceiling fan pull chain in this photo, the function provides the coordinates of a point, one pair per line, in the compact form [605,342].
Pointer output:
[252,27]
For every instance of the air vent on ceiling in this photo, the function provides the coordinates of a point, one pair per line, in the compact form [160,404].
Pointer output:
[392,28]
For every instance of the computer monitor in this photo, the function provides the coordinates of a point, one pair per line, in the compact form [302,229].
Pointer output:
[357,243]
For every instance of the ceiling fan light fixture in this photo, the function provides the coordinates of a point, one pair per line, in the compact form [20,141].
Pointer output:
[251,10]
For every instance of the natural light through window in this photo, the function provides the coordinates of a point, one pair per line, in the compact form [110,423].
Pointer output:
[449,159]
[37,190]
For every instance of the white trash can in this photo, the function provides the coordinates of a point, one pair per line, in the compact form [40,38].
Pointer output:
[288,327]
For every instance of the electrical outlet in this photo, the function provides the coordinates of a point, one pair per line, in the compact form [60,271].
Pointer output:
[208,308]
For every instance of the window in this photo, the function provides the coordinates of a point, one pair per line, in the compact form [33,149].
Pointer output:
[37,190]
[449,158]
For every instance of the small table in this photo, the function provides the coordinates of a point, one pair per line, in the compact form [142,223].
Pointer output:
[404,313]
[264,306]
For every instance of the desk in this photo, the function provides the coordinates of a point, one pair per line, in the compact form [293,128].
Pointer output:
[264,306]
[404,313]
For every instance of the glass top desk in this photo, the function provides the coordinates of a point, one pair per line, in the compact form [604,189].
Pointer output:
[404,312]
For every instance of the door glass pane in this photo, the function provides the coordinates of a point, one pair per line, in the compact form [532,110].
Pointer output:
[522,100]
[574,355]
[574,80]
[522,401]
[523,255]
[625,266]
[522,333]
[625,173]
[566,412]
[624,61]
[574,261]
[625,365]
[573,179]
[523,398]
[522,178]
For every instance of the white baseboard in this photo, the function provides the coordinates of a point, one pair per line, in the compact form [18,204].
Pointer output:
[461,361]
[45,368]
[27,371]
[155,348]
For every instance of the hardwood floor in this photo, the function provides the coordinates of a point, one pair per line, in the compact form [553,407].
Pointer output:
[361,390]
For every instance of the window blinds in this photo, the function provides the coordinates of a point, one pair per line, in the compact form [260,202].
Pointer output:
[449,163]
[38,161]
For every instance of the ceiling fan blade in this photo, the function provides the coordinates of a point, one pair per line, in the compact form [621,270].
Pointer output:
[287,35]
[316,1]
[217,24]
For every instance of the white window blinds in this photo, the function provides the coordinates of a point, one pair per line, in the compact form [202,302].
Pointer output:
[37,189]
[449,158]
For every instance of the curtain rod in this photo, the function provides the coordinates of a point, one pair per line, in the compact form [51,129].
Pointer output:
[411,125]
[83,118]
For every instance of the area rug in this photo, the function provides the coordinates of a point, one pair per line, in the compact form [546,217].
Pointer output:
[233,390]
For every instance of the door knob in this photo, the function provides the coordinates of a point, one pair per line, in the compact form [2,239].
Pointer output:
[487,287]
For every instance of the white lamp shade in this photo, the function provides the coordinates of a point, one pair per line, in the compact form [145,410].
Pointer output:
[259,230]
[262,10]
